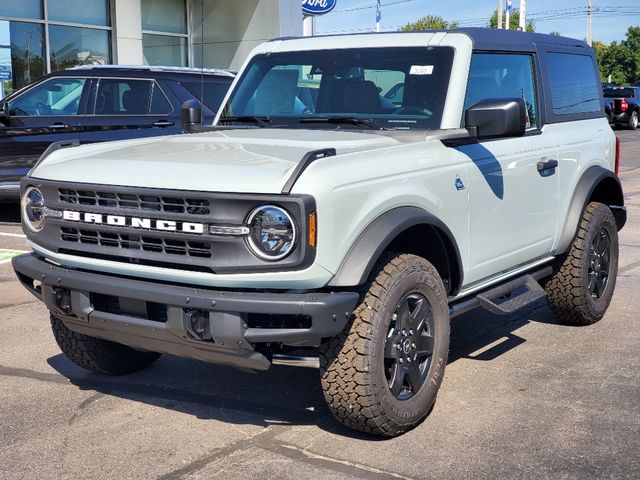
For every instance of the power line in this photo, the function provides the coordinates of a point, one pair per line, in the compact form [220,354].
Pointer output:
[539,17]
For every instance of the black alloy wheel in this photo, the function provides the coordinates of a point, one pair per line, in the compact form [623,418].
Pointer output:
[382,373]
[581,287]
[409,346]
[599,264]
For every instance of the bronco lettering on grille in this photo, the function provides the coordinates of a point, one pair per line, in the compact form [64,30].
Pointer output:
[133,222]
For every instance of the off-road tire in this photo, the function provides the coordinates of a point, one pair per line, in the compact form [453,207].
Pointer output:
[352,364]
[568,289]
[633,121]
[97,355]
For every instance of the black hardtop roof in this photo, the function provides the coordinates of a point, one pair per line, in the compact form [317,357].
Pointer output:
[514,40]
[487,38]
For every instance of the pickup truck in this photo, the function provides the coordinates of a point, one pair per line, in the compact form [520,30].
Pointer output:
[325,220]
[623,106]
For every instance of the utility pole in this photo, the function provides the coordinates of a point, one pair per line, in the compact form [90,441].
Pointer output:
[499,13]
[589,23]
[523,13]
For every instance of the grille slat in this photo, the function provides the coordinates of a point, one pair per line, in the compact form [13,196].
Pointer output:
[132,201]
[134,242]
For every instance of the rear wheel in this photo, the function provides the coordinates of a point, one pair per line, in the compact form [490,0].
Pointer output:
[581,289]
[633,121]
[382,374]
[97,355]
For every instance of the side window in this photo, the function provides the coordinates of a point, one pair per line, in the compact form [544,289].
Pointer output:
[503,75]
[123,97]
[58,96]
[159,103]
[574,86]
[213,93]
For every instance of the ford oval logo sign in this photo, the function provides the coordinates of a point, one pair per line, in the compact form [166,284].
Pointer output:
[317,7]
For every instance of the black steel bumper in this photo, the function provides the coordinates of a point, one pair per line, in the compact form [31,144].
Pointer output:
[209,325]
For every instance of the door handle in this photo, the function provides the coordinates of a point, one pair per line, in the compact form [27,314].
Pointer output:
[163,123]
[57,126]
[547,165]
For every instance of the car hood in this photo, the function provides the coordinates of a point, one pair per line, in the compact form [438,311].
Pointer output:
[239,160]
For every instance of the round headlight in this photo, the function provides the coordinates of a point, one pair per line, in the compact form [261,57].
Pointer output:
[272,232]
[33,209]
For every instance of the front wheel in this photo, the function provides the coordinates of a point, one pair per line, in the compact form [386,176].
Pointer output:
[381,375]
[98,355]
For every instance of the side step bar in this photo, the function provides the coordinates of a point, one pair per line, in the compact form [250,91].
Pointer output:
[520,291]
[532,292]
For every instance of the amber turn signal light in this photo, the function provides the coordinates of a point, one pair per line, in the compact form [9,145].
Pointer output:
[312,229]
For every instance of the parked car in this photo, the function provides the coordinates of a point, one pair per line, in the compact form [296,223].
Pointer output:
[96,104]
[347,232]
[622,106]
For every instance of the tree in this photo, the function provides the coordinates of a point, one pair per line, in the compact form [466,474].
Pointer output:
[514,21]
[430,22]
[621,60]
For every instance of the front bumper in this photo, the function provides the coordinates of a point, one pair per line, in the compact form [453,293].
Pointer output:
[210,325]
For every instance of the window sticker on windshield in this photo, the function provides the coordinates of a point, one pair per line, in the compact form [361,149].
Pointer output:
[421,70]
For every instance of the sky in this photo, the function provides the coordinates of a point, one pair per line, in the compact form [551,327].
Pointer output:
[611,18]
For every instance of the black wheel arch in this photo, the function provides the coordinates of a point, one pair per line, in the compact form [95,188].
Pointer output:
[597,184]
[405,230]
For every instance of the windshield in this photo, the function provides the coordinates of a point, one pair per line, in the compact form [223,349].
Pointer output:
[385,88]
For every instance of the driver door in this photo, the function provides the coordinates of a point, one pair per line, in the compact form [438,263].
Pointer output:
[46,113]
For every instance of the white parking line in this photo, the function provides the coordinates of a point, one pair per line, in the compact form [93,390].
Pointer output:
[17,235]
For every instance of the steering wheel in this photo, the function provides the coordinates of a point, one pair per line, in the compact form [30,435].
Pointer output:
[413,111]
[42,109]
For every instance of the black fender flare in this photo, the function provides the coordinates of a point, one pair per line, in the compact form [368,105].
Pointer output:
[585,188]
[378,235]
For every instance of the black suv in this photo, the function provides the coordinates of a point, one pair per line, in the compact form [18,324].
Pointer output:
[96,104]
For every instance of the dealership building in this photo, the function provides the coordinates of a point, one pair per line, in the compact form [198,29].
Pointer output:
[41,36]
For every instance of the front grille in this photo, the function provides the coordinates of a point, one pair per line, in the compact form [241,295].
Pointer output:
[147,243]
[133,201]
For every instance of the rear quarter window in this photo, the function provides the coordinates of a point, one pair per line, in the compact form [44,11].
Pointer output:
[574,85]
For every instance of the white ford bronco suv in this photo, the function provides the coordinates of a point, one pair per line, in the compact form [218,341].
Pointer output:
[355,193]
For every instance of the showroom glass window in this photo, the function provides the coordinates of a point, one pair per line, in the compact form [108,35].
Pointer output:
[165,37]
[78,33]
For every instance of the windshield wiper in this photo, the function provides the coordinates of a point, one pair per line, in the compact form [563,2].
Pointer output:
[262,121]
[350,120]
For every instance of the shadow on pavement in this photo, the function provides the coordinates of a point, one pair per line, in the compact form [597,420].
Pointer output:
[283,395]
[9,212]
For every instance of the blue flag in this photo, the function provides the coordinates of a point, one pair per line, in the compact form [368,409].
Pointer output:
[378,11]
[509,6]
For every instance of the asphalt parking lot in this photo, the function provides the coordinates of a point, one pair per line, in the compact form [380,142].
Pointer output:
[523,397]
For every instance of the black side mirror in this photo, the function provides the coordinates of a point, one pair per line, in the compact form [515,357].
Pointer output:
[191,115]
[496,118]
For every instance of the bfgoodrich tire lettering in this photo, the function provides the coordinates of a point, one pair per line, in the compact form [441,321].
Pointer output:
[97,355]
[355,365]
[581,288]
